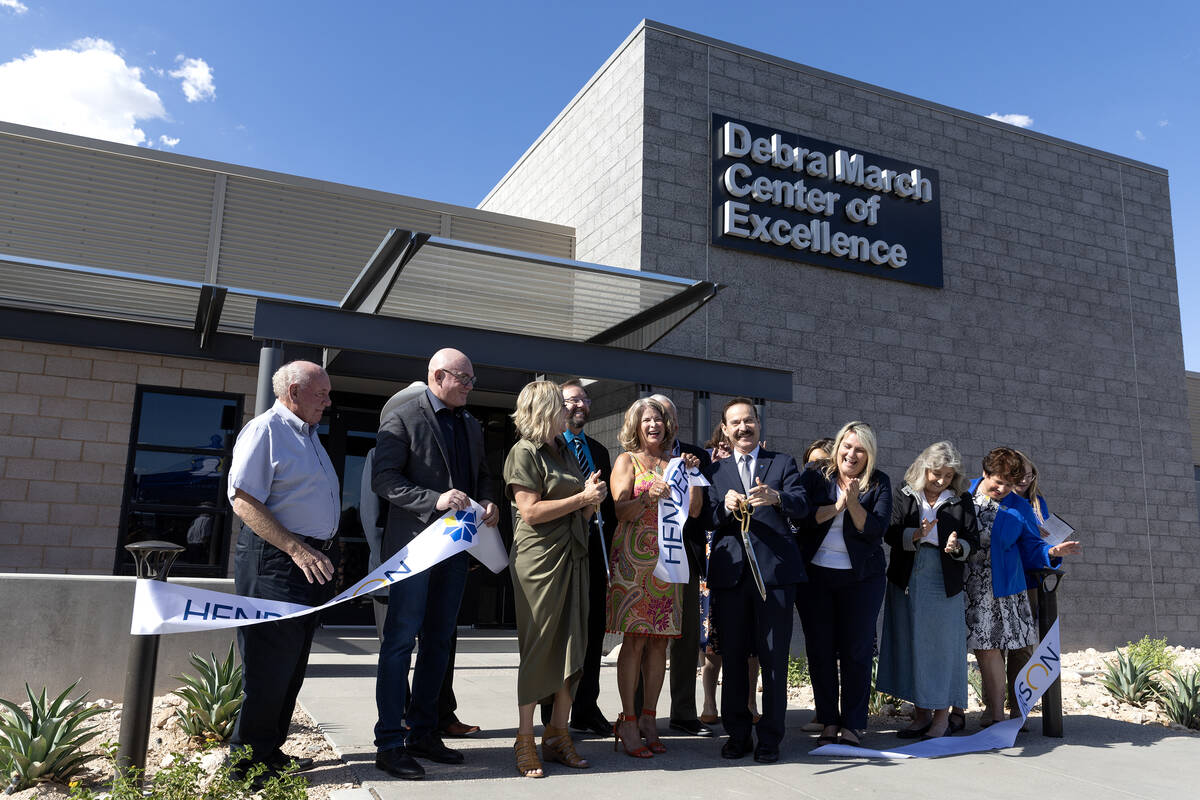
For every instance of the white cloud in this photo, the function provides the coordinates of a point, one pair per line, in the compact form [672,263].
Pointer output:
[168,141]
[87,89]
[1020,120]
[16,5]
[1141,137]
[1162,123]
[196,77]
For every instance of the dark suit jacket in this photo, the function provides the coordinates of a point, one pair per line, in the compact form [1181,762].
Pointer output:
[774,545]
[865,547]
[956,515]
[411,469]
[603,463]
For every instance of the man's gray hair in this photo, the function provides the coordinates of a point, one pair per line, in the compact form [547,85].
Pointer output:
[290,373]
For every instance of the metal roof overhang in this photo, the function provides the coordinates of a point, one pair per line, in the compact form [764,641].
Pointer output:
[73,304]
[417,276]
[383,336]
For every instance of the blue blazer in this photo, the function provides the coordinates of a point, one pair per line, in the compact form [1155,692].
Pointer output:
[770,535]
[1016,544]
[865,547]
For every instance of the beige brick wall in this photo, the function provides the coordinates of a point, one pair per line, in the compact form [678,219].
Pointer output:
[65,419]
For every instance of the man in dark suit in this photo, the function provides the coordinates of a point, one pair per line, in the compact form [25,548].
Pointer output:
[769,484]
[685,651]
[428,460]
[592,456]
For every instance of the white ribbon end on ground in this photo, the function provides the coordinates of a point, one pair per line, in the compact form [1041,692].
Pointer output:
[1039,673]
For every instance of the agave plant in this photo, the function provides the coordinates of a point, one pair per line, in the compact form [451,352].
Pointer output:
[1181,698]
[46,744]
[212,697]
[1130,679]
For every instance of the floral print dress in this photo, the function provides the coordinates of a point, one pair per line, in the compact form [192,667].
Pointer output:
[638,602]
[993,623]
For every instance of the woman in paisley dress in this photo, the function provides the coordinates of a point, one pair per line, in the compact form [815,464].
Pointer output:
[998,614]
[642,607]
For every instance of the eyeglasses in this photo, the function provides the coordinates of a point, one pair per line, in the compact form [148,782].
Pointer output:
[577,401]
[462,377]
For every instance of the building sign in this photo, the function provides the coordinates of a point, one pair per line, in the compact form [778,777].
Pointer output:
[784,195]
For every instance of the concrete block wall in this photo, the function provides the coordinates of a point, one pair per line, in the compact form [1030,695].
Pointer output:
[1057,330]
[65,420]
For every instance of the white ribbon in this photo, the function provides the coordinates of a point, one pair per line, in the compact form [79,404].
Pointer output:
[161,607]
[672,565]
[1037,676]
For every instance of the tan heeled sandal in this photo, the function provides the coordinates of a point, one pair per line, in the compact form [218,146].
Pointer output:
[558,747]
[527,758]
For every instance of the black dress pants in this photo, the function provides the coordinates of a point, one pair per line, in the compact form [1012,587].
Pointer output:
[838,612]
[274,654]
[745,623]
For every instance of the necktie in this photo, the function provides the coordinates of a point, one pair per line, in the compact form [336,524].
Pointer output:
[747,479]
[577,446]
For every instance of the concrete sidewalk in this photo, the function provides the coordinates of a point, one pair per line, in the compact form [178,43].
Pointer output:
[1098,759]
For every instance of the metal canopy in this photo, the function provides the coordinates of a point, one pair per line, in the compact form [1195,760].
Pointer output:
[295,323]
[440,280]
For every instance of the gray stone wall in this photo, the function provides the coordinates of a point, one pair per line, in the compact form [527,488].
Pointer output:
[1057,330]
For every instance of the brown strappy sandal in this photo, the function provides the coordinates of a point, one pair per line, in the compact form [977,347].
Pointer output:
[527,758]
[558,747]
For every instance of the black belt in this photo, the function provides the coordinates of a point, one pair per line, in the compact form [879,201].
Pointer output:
[320,544]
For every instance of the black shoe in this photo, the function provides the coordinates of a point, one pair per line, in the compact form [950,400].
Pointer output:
[692,727]
[594,722]
[430,746]
[396,761]
[280,760]
[737,748]
[238,773]
[766,754]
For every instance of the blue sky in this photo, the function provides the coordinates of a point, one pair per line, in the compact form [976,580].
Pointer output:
[438,99]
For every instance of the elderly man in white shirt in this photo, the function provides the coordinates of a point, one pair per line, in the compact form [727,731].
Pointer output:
[284,488]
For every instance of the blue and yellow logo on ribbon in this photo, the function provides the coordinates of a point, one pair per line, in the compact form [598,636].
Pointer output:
[460,526]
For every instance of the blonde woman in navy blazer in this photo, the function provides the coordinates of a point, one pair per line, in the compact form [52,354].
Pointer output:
[850,506]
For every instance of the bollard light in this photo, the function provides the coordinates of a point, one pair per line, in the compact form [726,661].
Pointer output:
[153,561]
[1052,714]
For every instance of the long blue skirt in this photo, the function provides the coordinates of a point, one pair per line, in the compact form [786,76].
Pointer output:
[923,651]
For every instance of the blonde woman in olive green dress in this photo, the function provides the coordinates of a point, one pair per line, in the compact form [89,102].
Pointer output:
[551,502]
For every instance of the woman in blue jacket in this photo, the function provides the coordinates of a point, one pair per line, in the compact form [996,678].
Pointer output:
[842,542]
[998,613]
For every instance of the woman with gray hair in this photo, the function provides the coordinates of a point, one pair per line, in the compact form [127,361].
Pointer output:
[923,652]
[551,501]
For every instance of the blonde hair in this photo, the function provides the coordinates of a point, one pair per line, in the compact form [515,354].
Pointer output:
[1031,491]
[629,437]
[866,438]
[937,456]
[538,407]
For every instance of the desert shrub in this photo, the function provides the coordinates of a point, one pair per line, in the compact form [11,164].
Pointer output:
[46,744]
[1129,679]
[1179,696]
[1153,652]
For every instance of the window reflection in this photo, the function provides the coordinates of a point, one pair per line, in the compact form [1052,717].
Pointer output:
[175,480]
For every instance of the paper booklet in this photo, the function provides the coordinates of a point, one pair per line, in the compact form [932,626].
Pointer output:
[1057,530]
